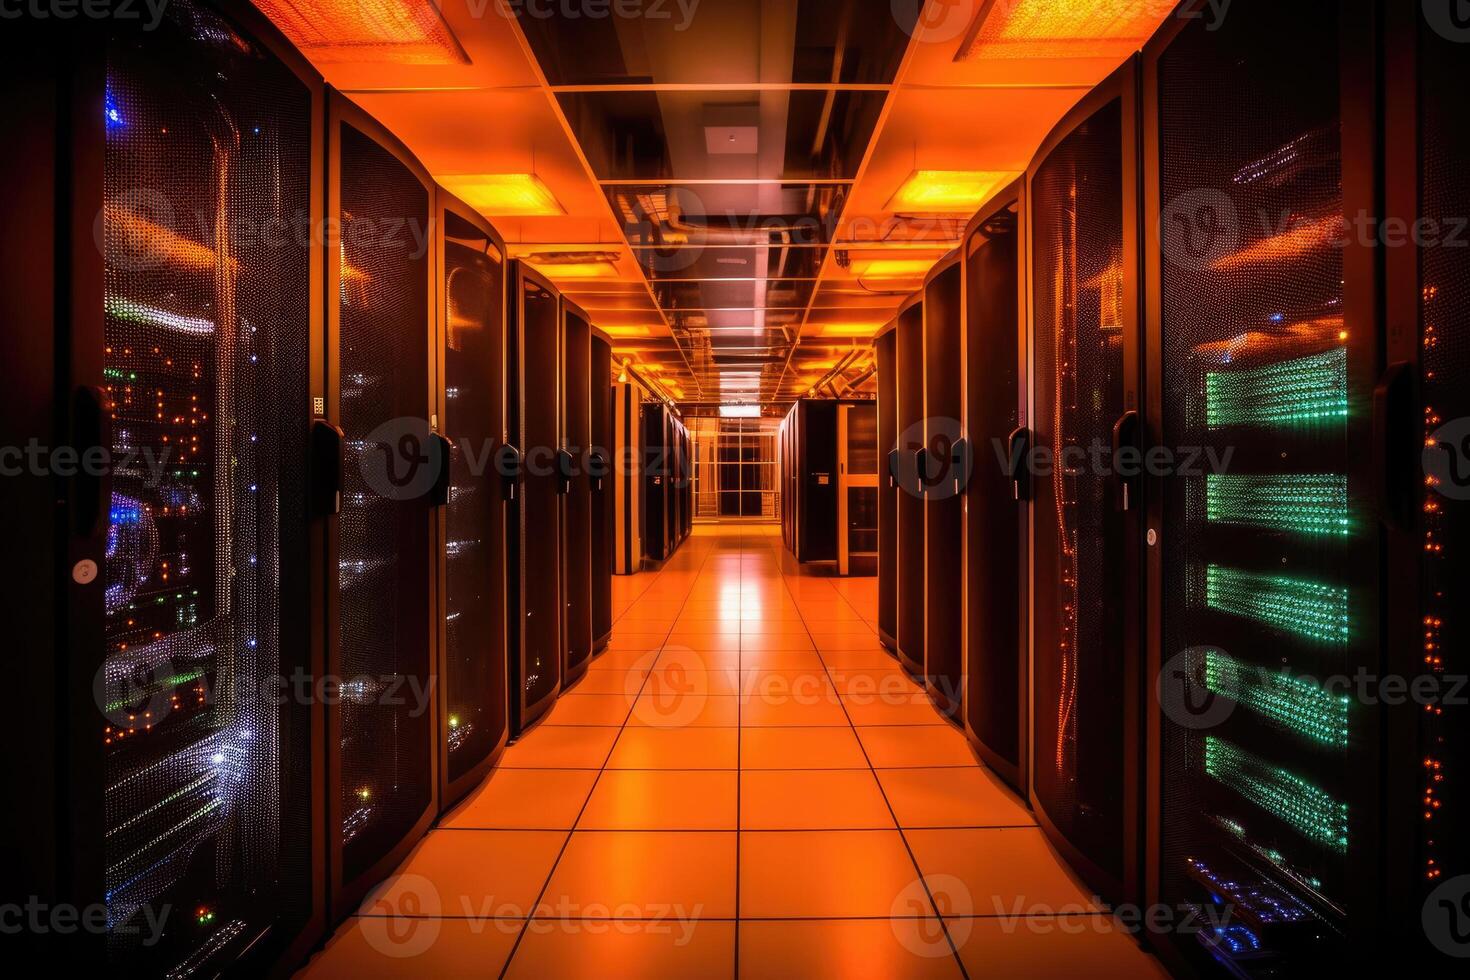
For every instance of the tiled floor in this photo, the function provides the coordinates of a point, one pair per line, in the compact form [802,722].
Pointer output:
[744,784]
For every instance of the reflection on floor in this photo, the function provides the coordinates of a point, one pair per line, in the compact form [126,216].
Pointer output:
[743,784]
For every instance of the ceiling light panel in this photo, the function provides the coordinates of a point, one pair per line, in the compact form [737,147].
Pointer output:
[401,32]
[1062,28]
[503,195]
[947,192]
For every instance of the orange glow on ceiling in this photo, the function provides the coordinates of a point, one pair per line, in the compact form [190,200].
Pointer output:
[896,269]
[1062,28]
[620,333]
[576,270]
[952,192]
[400,32]
[504,195]
[848,329]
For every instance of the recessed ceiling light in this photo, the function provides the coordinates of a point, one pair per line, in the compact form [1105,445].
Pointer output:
[951,192]
[504,195]
[740,411]
[896,269]
[369,32]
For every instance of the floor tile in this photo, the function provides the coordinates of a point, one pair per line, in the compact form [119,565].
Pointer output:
[1075,946]
[594,950]
[646,799]
[952,797]
[676,748]
[759,713]
[903,949]
[599,710]
[469,874]
[800,748]
[1001,870]
[640,875]
[402,948]
[865,711]
[916,746]
[825,874]
[524,799]
[554,747]
[812,799]
[685,711]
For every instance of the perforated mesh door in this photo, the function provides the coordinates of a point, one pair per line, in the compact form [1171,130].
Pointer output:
[655,477]
[602,496]
[208,776]
[909,362]
[1077,221]
[994,528]
[579,501]
[944,516]
[887,492]
[541,542]
[474,316]
[384,551]
[1445,341]
[1259,562]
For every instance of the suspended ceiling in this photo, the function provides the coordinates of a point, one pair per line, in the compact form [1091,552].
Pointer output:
[725,169]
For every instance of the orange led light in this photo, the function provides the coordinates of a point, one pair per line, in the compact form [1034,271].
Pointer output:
[402,32]
[951,192]
[1302,238]
[891,269]
[1062,28]
[621,332]
[576,270]
[504,195]
[848,329]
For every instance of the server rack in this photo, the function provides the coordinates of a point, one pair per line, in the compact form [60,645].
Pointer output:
[577,489]
[628,491]
[885,359]
[474,725]
[1082,220]
[1422,405]
[155,608]
[997,525]
[600,469]
[655,472]
[382,776]
[1317,813]
[909,381]
[857,488]
[534,464]
[943,472]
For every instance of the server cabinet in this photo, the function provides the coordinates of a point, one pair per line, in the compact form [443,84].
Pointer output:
[1282,789]
[600,470]
[536,629]
[577,490]
[885,360]
[857,487]
[1423,404]
[382,766]
[655,473]
[628,492]
[1083,228]
[474,725]
[942,474]
[909,379]
[996,516]
[174,563]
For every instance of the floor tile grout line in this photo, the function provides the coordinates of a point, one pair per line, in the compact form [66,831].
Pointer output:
[908,848]
[566,842]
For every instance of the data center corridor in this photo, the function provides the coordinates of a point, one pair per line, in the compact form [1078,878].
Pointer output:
[744,783]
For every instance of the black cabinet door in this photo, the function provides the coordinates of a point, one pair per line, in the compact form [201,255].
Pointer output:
[473,727]
[603,517]
[943,482]
[577,363]
[909,372]
[1084,333]
[887,489]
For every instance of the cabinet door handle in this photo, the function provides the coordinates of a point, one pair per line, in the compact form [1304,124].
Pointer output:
[1125,435]
[325,480]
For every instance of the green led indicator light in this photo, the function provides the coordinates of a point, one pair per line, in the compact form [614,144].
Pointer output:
[1312,812]
[1292,702]
[1304,391]
[1314,504]
[1312,610]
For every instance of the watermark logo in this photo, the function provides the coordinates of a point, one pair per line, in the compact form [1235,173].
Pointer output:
[135,695]
[397,459]
[133,229]
[1447,459]
[1450,19]
[1185,694]
[934,460]
[675,690]
[913,921]
[933,22]
[1199,227]
[1446,917]
[405,922]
